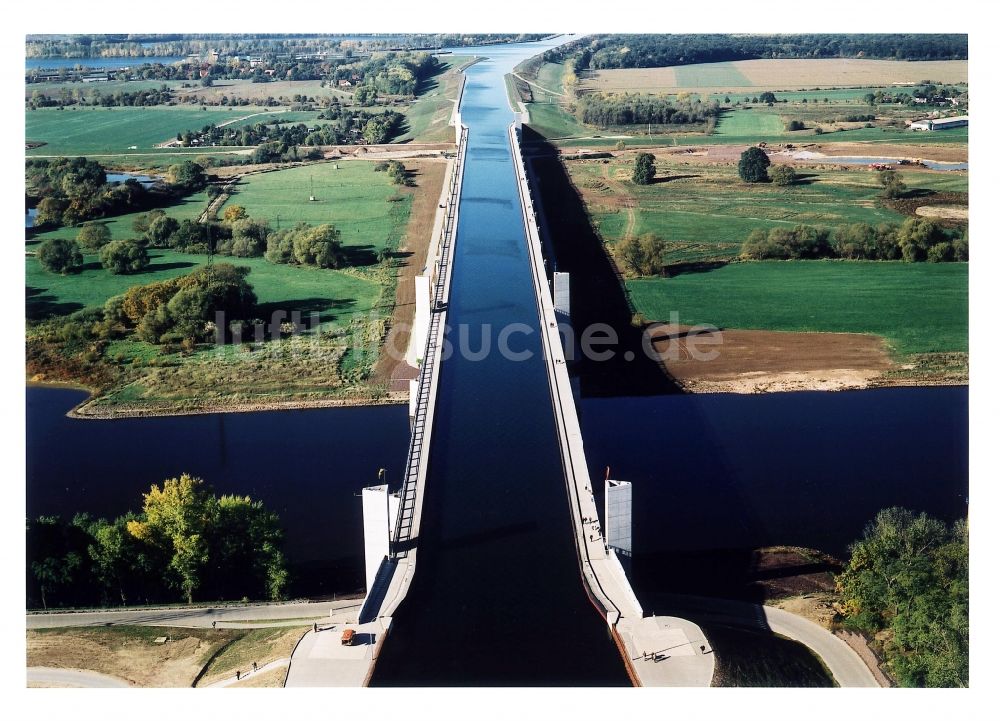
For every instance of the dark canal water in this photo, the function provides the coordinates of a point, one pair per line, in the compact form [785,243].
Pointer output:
[497,597]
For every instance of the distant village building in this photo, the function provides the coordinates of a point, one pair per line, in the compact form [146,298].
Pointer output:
[960,121]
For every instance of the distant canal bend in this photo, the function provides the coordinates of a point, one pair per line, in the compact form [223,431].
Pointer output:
[497,598]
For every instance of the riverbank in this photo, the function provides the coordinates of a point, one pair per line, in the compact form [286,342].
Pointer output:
[758,361]
[89,411]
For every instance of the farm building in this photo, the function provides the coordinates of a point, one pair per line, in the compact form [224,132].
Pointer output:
[940,123]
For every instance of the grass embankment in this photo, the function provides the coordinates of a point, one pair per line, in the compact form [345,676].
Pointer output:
[427,117]
[189,655]
[131,652]
[332,365]
[549,110]
[757,659]
[262,645]
[918,307]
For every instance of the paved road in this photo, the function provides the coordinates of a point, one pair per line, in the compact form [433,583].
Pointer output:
[845,665]
[73,677]
[277,614]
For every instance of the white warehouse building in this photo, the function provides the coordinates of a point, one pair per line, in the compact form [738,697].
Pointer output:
[960,121]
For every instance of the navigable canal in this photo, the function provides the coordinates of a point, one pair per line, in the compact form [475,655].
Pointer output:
[497,598]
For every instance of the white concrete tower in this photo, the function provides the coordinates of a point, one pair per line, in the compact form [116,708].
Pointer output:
[379,508]
[560,296]
[618,516]
[421,319]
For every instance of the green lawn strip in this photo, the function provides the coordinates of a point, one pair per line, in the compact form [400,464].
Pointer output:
[918,307]
[742,123]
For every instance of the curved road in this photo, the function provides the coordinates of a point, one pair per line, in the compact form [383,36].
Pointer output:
[73,677]
[847,668]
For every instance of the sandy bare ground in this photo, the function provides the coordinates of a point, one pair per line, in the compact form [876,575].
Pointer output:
[752,76]
[817,607]
[133,658]
[948,212]
[947,153]
[753,361]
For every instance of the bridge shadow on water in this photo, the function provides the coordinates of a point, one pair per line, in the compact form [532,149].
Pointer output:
[596,292]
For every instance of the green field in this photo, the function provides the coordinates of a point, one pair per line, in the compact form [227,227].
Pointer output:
[367,208]
[867,135]
[188,208]
[746,123]
[90,131]
[335,294]
[918,307]
[705,212]
[56,89]
[710,75]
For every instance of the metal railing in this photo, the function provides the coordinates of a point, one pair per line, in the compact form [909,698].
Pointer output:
[421,419]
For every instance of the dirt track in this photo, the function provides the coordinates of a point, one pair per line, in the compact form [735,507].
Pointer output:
[753,361]
[430,178]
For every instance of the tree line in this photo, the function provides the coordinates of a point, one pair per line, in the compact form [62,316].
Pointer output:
[159,44]
[348,126]
[177,312]
[97,98]
[612,109]
[915,240]
[652,51]
[185,544]
[907,586]
[70,191]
